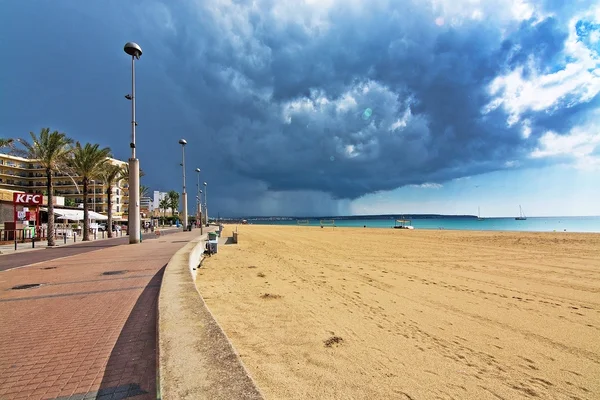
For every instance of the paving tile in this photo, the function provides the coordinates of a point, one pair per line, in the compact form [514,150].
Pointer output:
[82,330]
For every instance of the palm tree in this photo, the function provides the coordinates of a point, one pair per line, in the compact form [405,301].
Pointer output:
[164,204]
[111,175]
[125,174]
[125,177]
[88,162]
[6,143]
[173,197]
[69,202]
[51,150]
[144,190]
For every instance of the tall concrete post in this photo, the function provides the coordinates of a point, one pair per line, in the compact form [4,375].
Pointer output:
[134,226]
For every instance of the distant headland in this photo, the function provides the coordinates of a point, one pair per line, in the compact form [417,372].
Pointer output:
[349,217]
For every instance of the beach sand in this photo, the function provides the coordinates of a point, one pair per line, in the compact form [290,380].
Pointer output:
[351,313]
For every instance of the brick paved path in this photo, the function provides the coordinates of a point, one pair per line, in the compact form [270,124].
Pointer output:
[84,334]
[41,253]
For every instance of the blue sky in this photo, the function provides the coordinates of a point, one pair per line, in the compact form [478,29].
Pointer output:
[325,107]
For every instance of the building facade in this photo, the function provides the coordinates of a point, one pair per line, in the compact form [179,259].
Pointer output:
[25,175]
[156,210]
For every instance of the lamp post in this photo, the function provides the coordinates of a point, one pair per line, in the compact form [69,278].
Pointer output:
[198,211]
[205,202]
[134,228]
[201,206]
[184,214]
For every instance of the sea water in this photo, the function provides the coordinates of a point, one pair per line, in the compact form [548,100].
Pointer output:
[531,224]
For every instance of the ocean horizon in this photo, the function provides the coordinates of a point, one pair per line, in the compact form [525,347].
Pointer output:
[531,224]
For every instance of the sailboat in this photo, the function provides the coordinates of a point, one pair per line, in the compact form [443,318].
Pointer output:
[479,215]
[521,216]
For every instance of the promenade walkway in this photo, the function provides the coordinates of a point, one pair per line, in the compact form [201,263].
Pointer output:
[89,330]
[7,248]
[15,259]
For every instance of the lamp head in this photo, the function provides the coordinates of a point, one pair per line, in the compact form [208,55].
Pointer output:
[204,183]
[133,49]
[197,169]
[182,142]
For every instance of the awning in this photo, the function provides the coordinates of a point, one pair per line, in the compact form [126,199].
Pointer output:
[76,215]
[97,216]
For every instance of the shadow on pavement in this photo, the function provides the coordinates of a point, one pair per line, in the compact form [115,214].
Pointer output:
[131,367]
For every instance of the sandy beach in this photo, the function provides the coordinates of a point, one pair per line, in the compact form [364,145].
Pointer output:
[351,313]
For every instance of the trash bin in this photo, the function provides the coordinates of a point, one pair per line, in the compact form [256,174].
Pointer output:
[213,245]
[189,227]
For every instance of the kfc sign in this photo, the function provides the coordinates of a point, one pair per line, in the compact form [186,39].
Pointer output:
[29,199]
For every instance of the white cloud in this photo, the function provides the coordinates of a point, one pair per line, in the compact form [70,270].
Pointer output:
[526,128]
[401,122]
[428,186]
[456,12]
[351,151]
[578,82]
[582,145]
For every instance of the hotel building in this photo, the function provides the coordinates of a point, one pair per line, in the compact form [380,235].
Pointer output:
[25,175]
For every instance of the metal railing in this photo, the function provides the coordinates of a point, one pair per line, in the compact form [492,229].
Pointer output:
[28,237]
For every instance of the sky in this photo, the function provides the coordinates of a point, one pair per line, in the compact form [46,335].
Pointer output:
[324,107]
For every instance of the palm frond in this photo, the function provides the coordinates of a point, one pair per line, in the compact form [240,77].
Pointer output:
[111,173]
[50,149]
[144,190]
[125,173]
[89,161]
[6,143]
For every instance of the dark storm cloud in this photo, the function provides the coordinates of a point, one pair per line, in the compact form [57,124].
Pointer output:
[271,94]
[285,100]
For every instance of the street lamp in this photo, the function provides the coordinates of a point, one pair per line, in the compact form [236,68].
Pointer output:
[134,228]
[201,206]
[198,210]
[205,202]
[184,213]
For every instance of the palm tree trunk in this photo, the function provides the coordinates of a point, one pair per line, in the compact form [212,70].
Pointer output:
[86,221]
[109,221]
[50,196]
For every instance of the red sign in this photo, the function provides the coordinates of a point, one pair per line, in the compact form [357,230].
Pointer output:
[28,199]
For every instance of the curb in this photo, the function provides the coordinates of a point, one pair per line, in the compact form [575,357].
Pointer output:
[195,359]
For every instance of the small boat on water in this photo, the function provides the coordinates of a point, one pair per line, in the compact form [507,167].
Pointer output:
[521,216]
[403,224]
[479,215]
